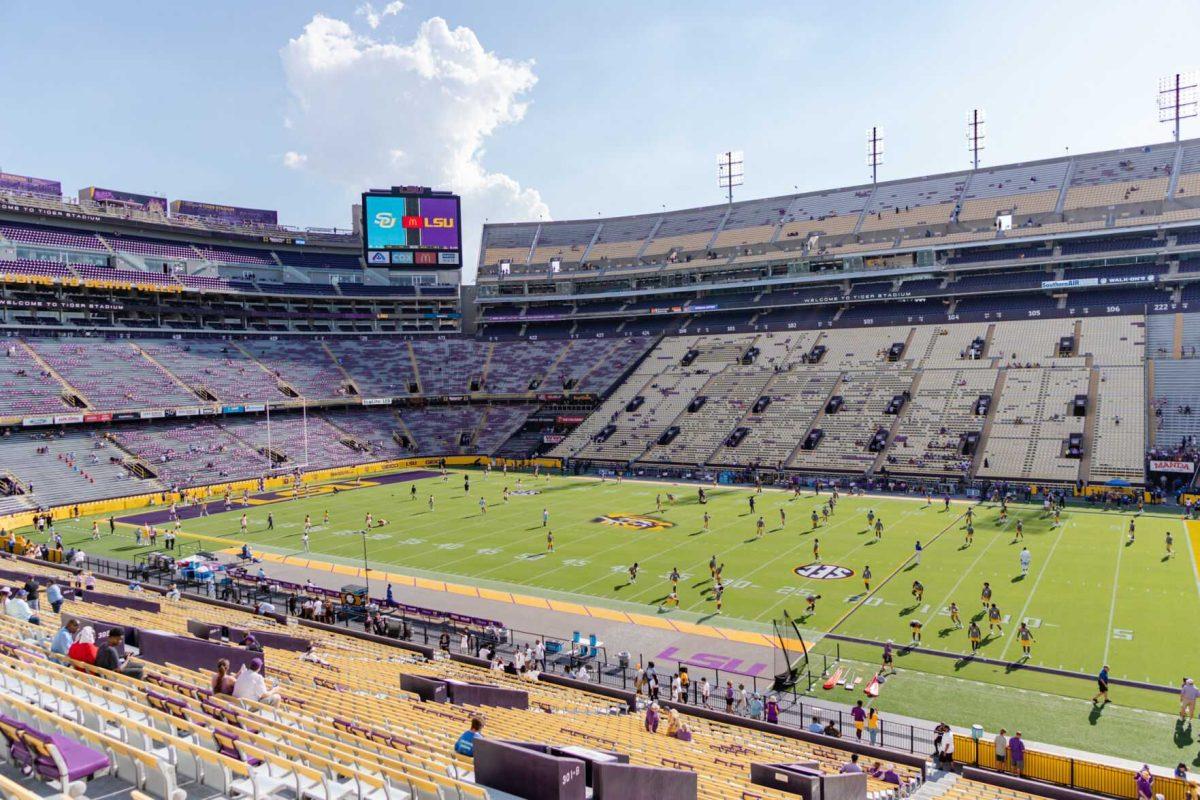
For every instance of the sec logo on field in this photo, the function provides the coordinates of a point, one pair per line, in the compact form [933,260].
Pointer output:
[635,522]
[823,572]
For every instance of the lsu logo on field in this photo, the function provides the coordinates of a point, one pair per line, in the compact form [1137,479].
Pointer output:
[823,572]
[634,522]
[525,492]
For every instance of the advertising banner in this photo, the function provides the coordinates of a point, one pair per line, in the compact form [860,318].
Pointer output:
[28,185]
[235,215]
[1185,467]
[145,202]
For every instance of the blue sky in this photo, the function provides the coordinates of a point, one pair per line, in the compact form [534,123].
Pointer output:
[562,110]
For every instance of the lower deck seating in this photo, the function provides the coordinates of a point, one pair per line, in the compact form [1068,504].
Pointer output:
[342,727]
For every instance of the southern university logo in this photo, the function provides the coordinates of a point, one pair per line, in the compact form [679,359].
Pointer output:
[634,522]
[823,572]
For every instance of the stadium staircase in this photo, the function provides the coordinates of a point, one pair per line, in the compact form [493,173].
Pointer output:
[1089,424]
[107,246]
[346,375]
[404,429]
[938,784]
[283,385]
[986,431]
[416,371]
[175,379]
[897,423]
[486,368]
[69,391]
[1176,168]
[1066,186]
[559,359]
[816,423]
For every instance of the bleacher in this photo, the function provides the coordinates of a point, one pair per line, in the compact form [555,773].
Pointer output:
[343,728]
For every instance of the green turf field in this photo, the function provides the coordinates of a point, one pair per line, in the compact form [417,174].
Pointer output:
[1090,597]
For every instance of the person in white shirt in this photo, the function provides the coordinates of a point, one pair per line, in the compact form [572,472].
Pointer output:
[1026,560]
[539,652]
[583,674]
[519,660]
[251,685]
[705,692]
[18,608]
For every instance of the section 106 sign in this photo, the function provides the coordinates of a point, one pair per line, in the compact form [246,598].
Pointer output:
[412,228]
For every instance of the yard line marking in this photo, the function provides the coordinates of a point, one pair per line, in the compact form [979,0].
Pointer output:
[867,540]
[1032,591]
[1112,609]
[891,575]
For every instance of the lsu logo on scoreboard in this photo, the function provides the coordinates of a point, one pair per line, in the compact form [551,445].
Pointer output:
[823,572]
[634,522]
[410,221]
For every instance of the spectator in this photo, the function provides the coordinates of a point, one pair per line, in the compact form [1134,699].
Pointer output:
[684,734]
[1000,743]
[65,637]
[222,682]
[250,684]
[54,597]
[465,746]
[1189,788]
[872,724]
[1187,699]
[832,730]
[859,715]
[851,766]
[729,697]
[652,718]
[756,706]
[1144,783]
[18,608]
[32,590]
[111,655]
[250,643]
[1016,752]
[815,726]
[773,709]
[672,722]
[84,648]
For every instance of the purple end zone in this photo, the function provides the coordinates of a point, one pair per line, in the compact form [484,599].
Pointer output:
[163,516]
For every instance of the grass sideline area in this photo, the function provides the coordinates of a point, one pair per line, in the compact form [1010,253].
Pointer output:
[1090,597]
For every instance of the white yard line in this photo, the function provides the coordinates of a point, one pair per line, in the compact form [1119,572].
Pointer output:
[1033,591]
[1112,609]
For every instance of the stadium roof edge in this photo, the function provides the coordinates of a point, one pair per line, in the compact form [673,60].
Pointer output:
[855,188]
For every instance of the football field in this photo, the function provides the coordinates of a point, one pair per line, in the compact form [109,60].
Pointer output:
[1090,596]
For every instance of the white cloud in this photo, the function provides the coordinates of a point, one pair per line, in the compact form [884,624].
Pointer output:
[375,18]
[294,160]
[369,113]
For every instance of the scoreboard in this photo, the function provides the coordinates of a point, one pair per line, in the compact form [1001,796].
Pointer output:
[412,228]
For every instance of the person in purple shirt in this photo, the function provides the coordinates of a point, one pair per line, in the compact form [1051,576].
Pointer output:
[773,709]
[852,765]
[1144,782]
[652,718]
[1016,752]
[859,715]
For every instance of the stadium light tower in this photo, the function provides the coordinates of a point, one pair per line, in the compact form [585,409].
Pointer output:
[975,134]
[874,151]
[1177,99]
[730,171]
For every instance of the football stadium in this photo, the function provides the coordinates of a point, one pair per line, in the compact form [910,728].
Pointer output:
[875,489]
